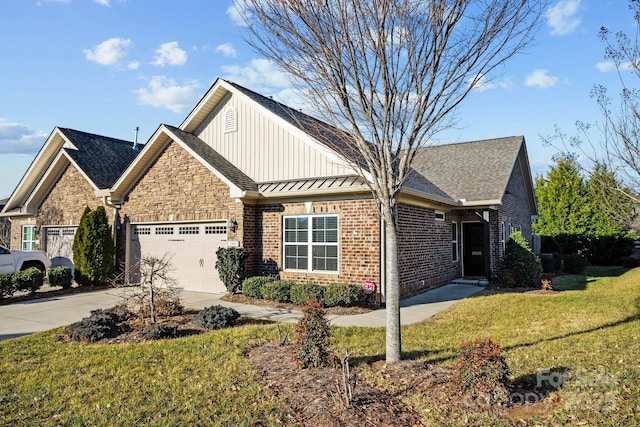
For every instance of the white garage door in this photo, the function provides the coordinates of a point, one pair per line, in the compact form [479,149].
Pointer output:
[192,248]
[59,245]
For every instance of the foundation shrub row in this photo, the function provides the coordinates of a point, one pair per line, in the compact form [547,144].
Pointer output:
[333,295]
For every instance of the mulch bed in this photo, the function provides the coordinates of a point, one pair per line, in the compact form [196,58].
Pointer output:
[338,311]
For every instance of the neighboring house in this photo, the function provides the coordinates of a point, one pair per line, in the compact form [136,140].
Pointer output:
[244,170]
[5,226]
[73,170]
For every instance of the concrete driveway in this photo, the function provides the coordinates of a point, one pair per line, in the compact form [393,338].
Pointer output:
[27,317]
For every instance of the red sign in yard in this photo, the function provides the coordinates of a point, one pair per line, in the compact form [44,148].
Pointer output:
[368,287]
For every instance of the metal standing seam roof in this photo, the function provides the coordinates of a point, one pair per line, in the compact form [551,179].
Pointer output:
[311,184]
[101,158]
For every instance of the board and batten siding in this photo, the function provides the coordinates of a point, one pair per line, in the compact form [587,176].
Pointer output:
[263,147]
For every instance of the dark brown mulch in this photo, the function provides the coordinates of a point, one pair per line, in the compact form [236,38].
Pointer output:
[314,398]
[339,311]
[49,292]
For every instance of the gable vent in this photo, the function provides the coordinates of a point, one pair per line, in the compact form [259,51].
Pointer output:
[230,120]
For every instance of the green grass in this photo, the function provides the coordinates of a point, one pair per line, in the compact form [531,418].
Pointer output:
[589,332]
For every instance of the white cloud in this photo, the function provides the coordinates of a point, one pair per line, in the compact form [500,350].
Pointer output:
[106,3]
[19,139]
[483,84]
[133,65]
[170,54]
[163,92]
[607,66]
[234,12]
[257,74]
[562,18]
[109,52]
[227,49]
[541,79]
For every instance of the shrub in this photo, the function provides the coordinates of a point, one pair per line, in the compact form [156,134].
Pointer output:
[301,292]
[252,287]
[548,262]
[342,294]
[278,290]
[630,262]
[7,287]
[546,282]
[608,250]
[30,279]
[216,317]
[311,337]
[164,306]
[93,248]
[574,264]
[520,267]
[101,324]
[158,331]
[483,370]
[230,266]
[60,276]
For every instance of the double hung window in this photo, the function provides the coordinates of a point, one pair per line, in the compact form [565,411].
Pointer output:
[311,243]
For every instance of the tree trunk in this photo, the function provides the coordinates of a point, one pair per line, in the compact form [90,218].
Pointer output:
[393,350]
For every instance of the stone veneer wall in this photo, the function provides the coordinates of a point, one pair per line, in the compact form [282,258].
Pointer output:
[359,242]
[425,250]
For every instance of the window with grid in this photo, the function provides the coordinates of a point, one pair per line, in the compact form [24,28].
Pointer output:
[311,243]
[28,237]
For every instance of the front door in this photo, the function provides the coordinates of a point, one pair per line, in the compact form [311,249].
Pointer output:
[475,252]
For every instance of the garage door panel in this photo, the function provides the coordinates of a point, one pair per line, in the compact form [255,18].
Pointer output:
[59,245]
[192,248]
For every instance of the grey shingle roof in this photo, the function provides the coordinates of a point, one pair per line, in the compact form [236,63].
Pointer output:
[101,158]
[474,171]
[208,154]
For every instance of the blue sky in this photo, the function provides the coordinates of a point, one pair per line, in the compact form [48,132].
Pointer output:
[108,66]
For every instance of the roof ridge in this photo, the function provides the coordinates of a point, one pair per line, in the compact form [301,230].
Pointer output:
[63,129]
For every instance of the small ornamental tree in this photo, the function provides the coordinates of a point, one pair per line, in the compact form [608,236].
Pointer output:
[230,266]
[520,266]
[311,337]
[94,249]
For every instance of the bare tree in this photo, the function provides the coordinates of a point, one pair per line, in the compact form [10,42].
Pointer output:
[390,73]
[156,284]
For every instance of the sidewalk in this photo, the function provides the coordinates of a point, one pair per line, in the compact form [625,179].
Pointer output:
[27,317]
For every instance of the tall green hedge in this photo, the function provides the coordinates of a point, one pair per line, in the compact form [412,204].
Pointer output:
[93,248]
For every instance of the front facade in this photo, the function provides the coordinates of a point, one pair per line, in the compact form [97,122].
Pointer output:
[243,170]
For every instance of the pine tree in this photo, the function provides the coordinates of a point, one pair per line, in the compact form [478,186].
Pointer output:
[79,244]
[93,248]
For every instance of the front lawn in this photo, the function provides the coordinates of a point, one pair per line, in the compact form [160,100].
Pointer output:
[588,333]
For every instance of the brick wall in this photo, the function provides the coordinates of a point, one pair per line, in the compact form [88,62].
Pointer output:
[424,249]
[359,240]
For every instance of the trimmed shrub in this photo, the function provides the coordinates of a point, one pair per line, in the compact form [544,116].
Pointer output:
[101,324]
[60,276]
[7,287]
[301,292]
[483,371]
[158,331]
[609,250]
[548,262]
[278,290]
[629,262]
[574,264]
[29,280]
[311,337]
[216,317]
[230,266]
[520,267]
[252,287]
[342,294]
[93,248]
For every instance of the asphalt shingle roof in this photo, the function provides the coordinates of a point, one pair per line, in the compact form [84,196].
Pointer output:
[101,158]
[215,159]
[474,171]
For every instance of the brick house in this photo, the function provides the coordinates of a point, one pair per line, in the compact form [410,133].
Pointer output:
[71,171]
[244,170]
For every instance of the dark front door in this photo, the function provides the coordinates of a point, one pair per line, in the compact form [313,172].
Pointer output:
[475,252]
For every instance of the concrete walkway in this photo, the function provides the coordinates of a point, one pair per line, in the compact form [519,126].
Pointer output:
[27,317]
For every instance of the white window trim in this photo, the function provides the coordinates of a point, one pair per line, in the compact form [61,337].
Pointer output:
[440,214]
[456,242]
[310,244]
[32,242]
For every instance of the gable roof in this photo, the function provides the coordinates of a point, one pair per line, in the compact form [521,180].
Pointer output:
[477,172]
[239,183]
[100,159]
